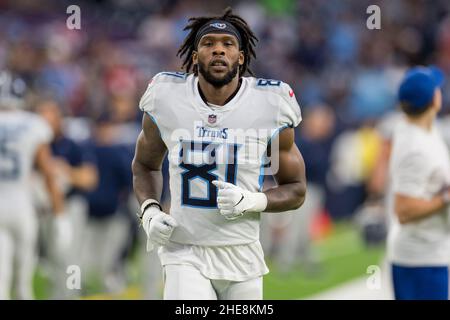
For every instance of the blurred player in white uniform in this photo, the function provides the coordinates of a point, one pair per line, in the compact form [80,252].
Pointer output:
[216,126]
[24,139]
[418,241]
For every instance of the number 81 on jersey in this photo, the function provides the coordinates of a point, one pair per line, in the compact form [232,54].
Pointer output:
[200,162]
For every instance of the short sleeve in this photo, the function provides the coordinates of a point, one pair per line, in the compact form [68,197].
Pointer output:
[289,112]
[146,103]
[409,177]
[387,125]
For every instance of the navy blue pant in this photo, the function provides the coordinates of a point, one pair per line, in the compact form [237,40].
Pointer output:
[420,283]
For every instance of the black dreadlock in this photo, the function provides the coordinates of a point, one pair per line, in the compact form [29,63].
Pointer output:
[248,39]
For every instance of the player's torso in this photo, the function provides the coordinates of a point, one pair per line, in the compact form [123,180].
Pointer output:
[225,143]
[424,241]
[432,148]
[205,143]
[17,150]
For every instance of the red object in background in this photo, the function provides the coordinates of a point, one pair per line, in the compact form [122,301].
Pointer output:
[121,80]
[321,226]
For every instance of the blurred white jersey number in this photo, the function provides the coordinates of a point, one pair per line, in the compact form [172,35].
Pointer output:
[374,280]
[374,20]
[74,20]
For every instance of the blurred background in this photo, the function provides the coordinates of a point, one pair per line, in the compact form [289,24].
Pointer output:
[87,84]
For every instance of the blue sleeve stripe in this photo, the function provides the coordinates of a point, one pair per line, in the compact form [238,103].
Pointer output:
[261,177]
[277,132]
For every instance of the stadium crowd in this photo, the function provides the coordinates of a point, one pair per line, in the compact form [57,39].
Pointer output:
[87,84]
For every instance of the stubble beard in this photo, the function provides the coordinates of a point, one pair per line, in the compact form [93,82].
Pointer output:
[218,82]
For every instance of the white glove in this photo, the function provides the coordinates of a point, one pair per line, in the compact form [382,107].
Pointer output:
[158,226]
[62,232]
[234,201]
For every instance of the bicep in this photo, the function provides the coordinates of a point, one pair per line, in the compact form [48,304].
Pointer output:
[150,148]
[291,166]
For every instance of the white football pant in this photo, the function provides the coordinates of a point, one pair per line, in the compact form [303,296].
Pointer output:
[18,236]
[185,282]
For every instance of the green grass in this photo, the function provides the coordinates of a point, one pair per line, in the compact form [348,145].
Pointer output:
[343,257]
[41,285]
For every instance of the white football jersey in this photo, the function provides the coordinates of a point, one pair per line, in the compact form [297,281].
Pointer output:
[419,168]
[207,142]
[21,133]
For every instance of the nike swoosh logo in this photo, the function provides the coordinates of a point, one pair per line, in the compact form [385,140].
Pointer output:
[242,198]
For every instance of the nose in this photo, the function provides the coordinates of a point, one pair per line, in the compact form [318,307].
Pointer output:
[218,50]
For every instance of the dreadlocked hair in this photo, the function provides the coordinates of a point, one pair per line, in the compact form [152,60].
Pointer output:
[195,23]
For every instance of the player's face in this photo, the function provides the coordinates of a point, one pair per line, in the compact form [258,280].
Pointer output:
[218,58]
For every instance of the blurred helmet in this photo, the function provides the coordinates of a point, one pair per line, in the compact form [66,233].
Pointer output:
[13,91]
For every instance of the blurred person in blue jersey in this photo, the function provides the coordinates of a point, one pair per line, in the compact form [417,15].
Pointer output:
[24,145]
[107,229]
[76,173]
[419,171]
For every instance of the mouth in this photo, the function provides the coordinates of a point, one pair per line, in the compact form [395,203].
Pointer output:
[218,64]
[219,69]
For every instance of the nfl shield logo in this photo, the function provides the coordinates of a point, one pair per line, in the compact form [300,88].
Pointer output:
[212,118]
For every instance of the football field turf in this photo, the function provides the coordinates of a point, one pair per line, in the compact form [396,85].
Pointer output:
[341,257]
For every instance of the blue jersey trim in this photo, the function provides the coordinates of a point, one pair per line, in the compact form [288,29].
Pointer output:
[154,121]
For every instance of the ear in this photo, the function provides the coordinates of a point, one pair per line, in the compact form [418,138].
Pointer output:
[241,58]
[437,99]
[194,57]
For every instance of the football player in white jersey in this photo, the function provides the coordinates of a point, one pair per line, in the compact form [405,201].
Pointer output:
[419,170]
[218,128]
[24,139]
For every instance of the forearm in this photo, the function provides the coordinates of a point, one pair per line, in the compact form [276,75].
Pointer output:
[147,183]
[412,209]
[285,197]
[44,165]
[56,197]
[84,177]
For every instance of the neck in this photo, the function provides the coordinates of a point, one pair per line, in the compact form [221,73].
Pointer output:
[425,122]
[218,96]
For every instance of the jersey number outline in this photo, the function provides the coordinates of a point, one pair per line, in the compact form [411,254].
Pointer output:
[9,157]
[205,171]
[268,82]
